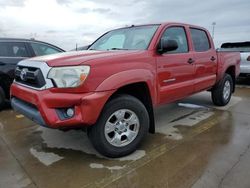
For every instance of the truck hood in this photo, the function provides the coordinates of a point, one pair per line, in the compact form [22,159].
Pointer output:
[80,57]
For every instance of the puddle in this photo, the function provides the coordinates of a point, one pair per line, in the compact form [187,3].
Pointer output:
[47,158]
[74,139]
[24,182]
[1,126]
[78,140]
[172,132]
[243,86]
[232,102]
[138,154]
[19,116]
[193,106]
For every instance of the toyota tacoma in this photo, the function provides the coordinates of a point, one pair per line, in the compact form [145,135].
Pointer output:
[112,88]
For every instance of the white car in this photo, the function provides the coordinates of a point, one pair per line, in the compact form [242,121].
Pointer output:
[244,49]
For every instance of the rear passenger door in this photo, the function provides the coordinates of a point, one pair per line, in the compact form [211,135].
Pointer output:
[205,60]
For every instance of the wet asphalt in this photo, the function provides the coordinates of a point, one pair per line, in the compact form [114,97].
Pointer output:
[196,145]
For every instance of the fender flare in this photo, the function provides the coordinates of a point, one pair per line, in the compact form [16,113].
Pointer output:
[127,77]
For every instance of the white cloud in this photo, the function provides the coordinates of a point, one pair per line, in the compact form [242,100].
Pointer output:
[67,22]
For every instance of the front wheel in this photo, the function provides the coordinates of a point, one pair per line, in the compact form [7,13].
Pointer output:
[222,93]
[121,127]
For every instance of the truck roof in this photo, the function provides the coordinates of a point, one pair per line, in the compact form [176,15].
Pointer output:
[164,24]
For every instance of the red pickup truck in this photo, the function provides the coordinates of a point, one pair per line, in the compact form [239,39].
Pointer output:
[112,88]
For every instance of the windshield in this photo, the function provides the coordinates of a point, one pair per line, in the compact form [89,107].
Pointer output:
[132,38]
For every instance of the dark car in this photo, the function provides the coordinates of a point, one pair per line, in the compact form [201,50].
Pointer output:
[14,50]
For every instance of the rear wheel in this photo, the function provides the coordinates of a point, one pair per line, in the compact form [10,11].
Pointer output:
[2,98]
[121,127]
[221,94]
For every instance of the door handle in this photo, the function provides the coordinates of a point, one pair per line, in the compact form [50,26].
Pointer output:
[213,58]
[190,61]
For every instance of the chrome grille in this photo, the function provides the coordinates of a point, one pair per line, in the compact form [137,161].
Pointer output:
[29,76]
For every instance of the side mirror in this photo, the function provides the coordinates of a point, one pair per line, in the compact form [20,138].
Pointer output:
[248,59]
[167,45]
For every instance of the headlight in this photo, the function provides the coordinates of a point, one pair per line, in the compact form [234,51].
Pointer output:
[66,77]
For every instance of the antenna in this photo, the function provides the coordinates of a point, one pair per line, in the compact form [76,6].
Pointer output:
[213,24]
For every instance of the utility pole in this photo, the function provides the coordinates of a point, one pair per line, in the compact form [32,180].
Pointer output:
[213,24]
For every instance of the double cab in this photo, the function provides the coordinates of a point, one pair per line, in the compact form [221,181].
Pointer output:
[113,87]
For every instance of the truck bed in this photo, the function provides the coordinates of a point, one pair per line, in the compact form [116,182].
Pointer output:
[226,60]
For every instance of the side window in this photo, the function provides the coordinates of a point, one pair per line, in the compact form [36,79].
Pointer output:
[43,49]
[4,49]
[179,35]
[13,49]
[200,40]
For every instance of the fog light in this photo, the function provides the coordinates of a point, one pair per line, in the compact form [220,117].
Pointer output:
[70,112]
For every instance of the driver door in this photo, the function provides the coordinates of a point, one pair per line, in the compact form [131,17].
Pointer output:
[175,69]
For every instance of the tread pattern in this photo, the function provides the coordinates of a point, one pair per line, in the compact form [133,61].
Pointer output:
[217,92]
[96,132]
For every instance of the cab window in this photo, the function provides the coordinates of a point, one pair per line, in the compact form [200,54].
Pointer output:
[200,40]
[179,35]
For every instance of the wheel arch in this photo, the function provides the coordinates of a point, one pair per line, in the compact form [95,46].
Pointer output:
[141,91]
[139,83]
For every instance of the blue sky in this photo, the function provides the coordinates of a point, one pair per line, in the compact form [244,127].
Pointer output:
[67,22]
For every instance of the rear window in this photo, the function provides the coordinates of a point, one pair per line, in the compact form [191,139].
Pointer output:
[43,49]
[200,40]
[237,46]
[13,49]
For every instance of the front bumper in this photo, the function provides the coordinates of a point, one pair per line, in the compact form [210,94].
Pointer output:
[42,106]
[28,110]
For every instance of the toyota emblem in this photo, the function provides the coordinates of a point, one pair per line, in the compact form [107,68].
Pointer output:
[23,74]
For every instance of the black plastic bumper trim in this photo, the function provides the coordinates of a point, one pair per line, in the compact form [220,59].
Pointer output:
[28,110]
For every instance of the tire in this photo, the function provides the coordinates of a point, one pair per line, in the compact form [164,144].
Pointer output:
[222,93]
[2,98]
[121,127]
